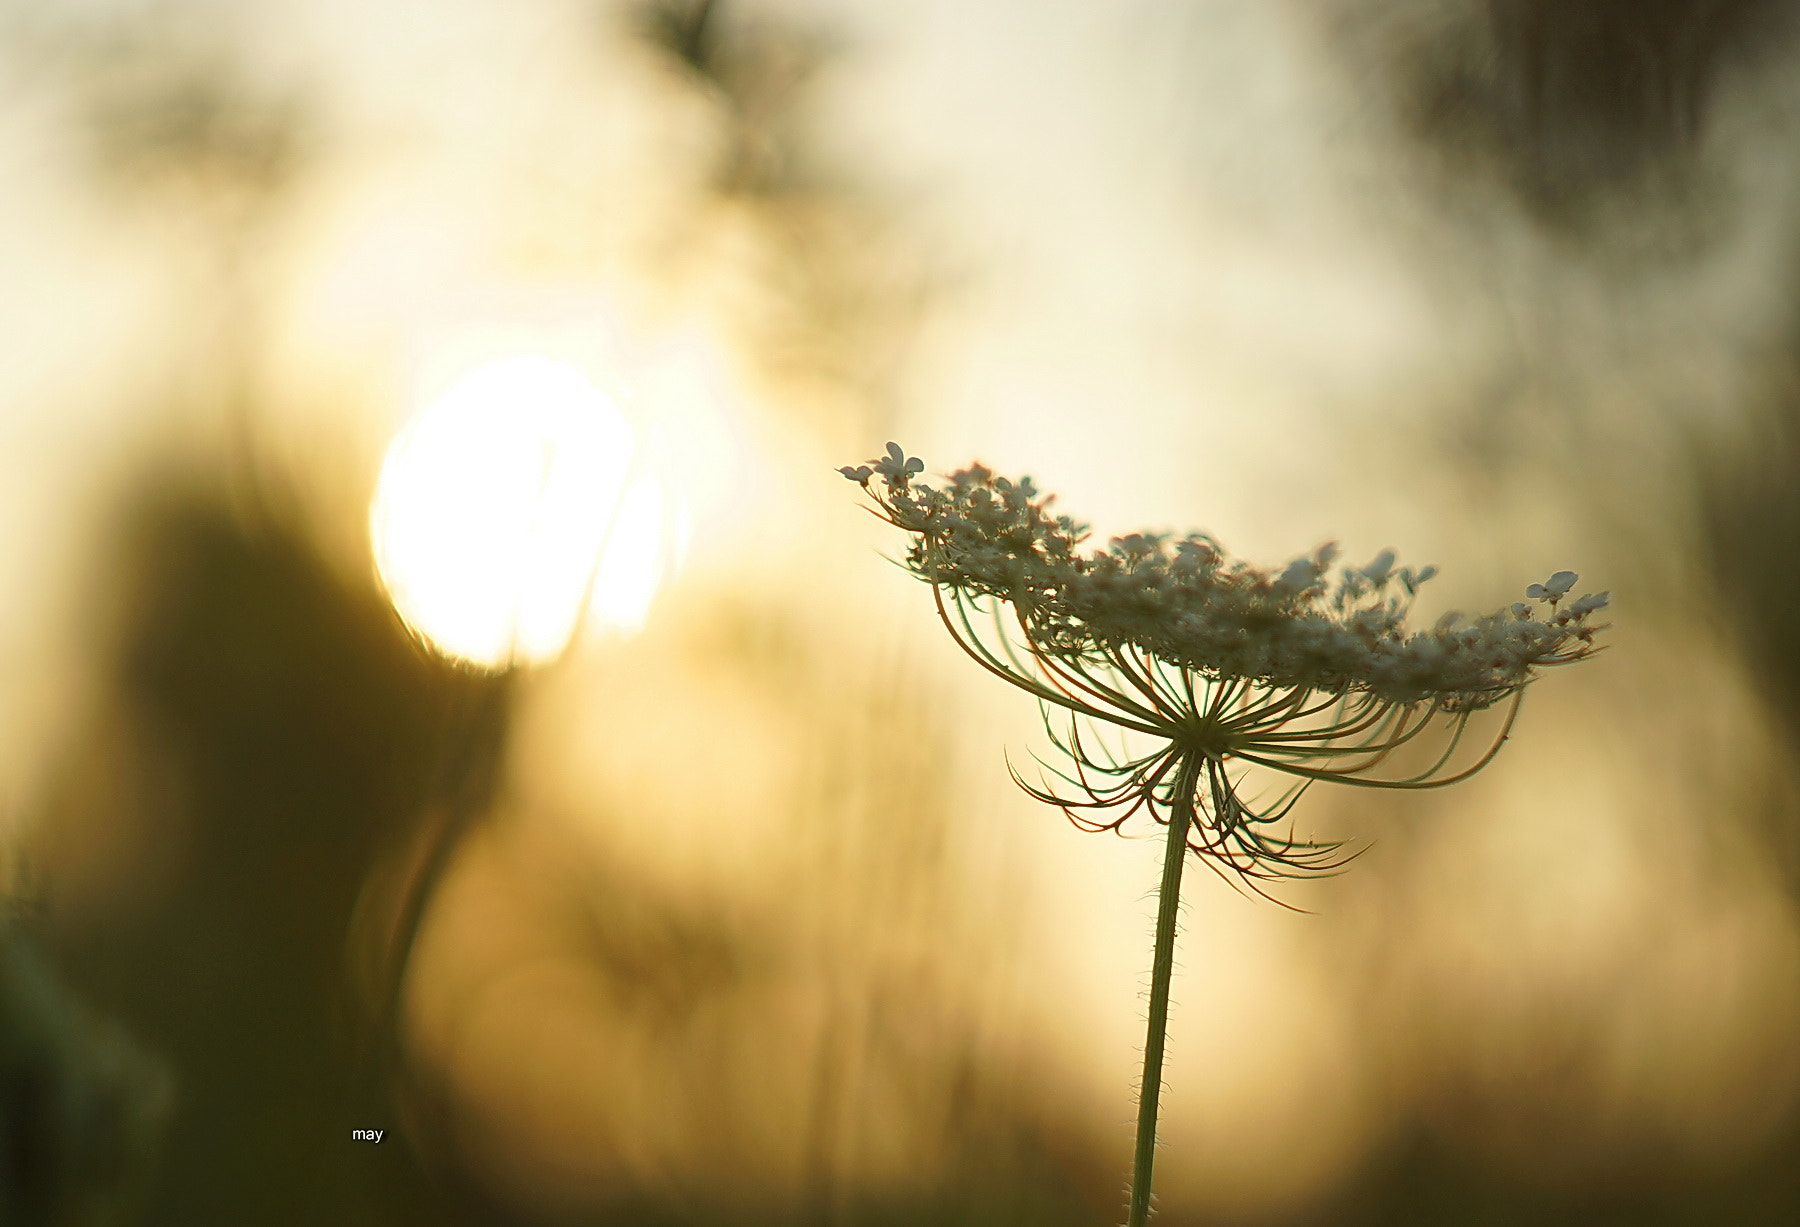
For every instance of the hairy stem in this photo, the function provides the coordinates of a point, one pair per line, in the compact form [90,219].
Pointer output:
[1181,816]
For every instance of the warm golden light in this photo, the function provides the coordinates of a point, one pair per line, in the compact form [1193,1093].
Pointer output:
[632,567]
[508,505]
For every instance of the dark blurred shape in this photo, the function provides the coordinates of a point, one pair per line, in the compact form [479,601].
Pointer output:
[1576,106]
[164,98]
[82,1107]
[839,284]
[1427,1181]
[682,28]
[1749,543]
[757,70]
[195,127]
[293,728]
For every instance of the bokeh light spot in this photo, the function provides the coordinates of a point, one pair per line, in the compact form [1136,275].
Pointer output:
[499,514]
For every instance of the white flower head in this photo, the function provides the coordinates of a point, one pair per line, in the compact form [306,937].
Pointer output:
[1223,661]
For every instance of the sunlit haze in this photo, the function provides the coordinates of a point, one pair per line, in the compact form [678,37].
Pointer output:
[503,509]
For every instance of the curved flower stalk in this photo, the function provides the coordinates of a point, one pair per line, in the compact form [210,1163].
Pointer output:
[1219,668]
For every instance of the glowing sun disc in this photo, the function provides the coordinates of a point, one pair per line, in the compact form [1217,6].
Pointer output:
[494,506]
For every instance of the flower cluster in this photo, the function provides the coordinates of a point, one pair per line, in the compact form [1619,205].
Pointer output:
[1220,661]
[1187,604]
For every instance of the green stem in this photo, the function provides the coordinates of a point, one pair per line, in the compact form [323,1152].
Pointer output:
[1181,815]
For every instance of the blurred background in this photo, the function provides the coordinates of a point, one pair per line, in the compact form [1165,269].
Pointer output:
[425,567]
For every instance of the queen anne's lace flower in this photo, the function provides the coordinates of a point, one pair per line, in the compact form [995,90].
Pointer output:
[1220,661]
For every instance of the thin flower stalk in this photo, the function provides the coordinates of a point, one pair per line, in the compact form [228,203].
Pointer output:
[1224,670]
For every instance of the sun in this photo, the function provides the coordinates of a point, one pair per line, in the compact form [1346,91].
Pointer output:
[510,506]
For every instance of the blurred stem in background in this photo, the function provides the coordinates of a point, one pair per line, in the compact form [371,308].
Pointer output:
[471,743]
[273,739]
